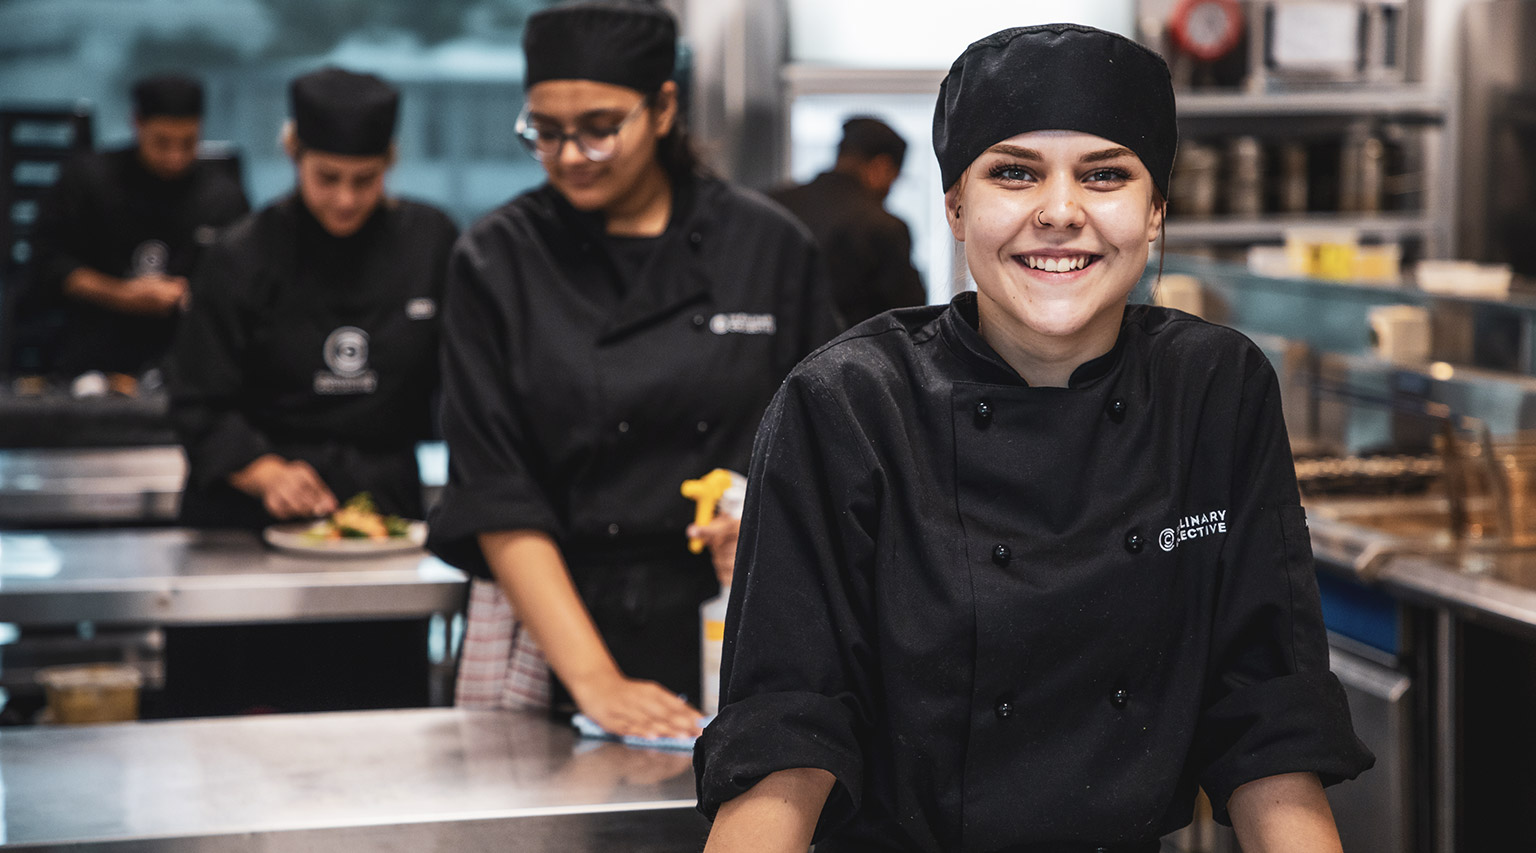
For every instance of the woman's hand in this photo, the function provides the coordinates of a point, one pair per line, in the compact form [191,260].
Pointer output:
[287,488]
[720,536]
[628,706]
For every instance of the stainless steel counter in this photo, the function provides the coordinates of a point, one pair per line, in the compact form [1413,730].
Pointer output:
[123,484]
[118,485]
[172,576]
[434,779]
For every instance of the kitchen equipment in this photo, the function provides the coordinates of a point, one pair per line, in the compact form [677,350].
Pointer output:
[1400,333]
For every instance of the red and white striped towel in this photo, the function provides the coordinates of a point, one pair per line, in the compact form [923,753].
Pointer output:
[501,666]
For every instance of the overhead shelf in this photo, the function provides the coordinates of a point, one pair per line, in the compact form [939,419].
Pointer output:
[1271,229]
[1401,102]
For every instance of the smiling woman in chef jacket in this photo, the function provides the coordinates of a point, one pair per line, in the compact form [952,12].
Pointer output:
[1021,572]
[608,335]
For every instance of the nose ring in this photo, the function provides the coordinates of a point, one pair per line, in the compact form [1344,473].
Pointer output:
[1040,218]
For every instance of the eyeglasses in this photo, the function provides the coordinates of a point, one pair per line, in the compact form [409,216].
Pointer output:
[545,142]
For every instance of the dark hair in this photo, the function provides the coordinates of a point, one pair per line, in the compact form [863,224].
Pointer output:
[675,151]
[867,138]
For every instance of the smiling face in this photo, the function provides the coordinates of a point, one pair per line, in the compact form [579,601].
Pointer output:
[601,110]
[341,191]
[1057,226]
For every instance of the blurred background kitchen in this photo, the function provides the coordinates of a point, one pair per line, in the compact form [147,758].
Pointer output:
[1355,189]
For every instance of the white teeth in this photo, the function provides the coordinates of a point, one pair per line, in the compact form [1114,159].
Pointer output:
[1076,262]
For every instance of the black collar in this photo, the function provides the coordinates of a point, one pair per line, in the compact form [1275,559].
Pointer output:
[960,324]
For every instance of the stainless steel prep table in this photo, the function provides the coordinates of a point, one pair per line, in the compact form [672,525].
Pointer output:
[431,779]
[174,576]
[50,487]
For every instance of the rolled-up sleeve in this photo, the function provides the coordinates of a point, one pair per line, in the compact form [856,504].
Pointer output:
[1271,704]
[491,483]
[797,667]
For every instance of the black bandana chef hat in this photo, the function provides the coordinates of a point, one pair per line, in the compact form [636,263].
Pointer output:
[342,112]
[629,43]
[168,95]
[1056,77]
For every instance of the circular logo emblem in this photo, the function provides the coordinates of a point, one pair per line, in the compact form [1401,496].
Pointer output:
[151,258]
[1167,539]
[346,351]
[719,324]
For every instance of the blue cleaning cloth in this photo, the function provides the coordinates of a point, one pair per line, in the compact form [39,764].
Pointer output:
[587,728]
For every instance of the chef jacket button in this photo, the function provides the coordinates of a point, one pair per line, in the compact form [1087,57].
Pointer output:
[623,426]
[696,238]
[1119,698]
[1116,410]
[1001,555]
[1003,709]
[698,321]
[703,426]
[1134,542]
[983,413]
[613,530]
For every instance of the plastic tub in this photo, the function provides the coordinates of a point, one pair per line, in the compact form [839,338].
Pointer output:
[92,693]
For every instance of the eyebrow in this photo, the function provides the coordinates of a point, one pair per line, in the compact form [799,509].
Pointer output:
[600,112]
[1032,154]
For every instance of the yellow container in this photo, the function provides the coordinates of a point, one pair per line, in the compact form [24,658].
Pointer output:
[91,693]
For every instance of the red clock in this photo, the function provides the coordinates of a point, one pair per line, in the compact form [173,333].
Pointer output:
[1206,29]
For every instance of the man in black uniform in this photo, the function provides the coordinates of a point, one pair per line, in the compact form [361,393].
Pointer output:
[868,251]
[123,230]
[302,375]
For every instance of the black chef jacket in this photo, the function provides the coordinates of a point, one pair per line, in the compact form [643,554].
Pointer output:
[313,347]
[868,251]
[577,401]
[111,214]
[1006,616]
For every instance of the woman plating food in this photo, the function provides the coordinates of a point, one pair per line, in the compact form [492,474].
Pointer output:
[1023,572]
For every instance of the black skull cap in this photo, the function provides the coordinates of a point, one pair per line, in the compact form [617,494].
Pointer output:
[629,43]
[169,96]
[344,112]
[1056,77]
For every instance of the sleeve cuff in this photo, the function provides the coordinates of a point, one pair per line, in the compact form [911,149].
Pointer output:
[461,515]
[780,731]
[1294,724]
[227,449]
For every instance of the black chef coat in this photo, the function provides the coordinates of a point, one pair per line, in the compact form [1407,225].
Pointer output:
[868,251]
[313,347]
[111,214]
[576,403]
[1006,616]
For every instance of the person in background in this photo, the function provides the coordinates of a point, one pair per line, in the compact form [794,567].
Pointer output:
[608,335]
[1024,572]
[867,250]
[124,228]
[304,374]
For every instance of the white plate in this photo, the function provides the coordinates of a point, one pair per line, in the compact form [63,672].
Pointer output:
[293,536]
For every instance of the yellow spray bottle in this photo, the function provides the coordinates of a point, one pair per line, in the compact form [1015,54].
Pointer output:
[723,492]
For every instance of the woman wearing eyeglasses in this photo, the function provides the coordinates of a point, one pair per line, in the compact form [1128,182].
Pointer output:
[608,335]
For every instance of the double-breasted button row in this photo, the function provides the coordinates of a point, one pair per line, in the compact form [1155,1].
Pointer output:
[1002,555]
[1115,409]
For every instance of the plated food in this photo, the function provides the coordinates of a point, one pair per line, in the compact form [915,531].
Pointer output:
[357,528]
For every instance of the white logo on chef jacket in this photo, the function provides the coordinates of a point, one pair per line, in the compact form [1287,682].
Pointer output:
[1192,527]
[346,354]
[152,257]
[743,324]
